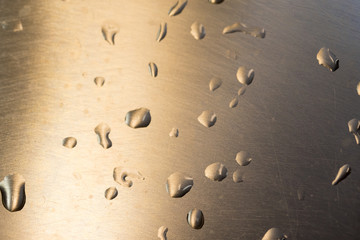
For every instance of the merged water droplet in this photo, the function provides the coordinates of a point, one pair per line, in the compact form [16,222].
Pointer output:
[177,8]
[207,118]
[216,172]
[242,90]
[343,172]
[245,76]
[162,231]
[111,193]
[162,32]
[109,30]
[99,81]
[174,132]
[241,27]
[238,176]
[69,142]
[121,175]
[12,25]
[153,69]
[197,31]
[13,192]
[138,118]
[216,1]
[243,158]
[274,234]
[103,130]
[195,218]
[215,83]
[354,128]
[328,59]
[234,102]
[178,184]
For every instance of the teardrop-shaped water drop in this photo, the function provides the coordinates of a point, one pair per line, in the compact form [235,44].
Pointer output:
[343,172]
[13,192]
[195,218]
[216,172]
[197,31]
[215,83]
[245,76]
[234,102]
[178,184]
[138,118]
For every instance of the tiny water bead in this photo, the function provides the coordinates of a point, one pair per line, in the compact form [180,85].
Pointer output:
[177,8]
[327,59]
[274,234]
[111,193]
[103,130]
[241,27]
[242,90]
[99,81]
[162,32]
[197,31]
[245,75]
[109,30]
[243,158]
[153,69]
[138,118]
[195,218]
[234,102]
[69,142]
[174,132]
[179,184]
[343,172]
[162,231]
[207,118]
[238,176]
[215,83]
[121,175]
[12,189]
[216,172]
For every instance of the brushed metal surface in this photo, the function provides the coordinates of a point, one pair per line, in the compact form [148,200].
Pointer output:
[292,118]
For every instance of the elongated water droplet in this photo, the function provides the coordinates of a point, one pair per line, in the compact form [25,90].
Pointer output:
[99,81]
[216,172]
[12,25]
[241,27]
[121,175]
[343,172]
[162,32]
[245,76]
[215,83]
[174,132]
[357,138]
[138,118]
[358,88]
[177,8]
[195,218]
[243,158]
[216,1]
[354,125]
[111,193]
[103,130]
[274,234]
[207,118]
[162,231]
[242,90]
[69,142]
[178,184]
[153,69]
[301,194]
[238,176]
[328,59]
[13,192]
[109,30]
[197,31]
[234,102]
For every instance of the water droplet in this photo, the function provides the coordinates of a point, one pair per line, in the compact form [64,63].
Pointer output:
[195,218]
[241,27]
[162,231]
[357,138]
[138,118]
[207,118]
[178,184]
[162,32]
[245,76]
[109,30]
[216,172]
[242,90]
[358,88]
[243,158]
[234,102]
[197,30]
[174,132]
[177,8]
[343,172]
[69,142]
[103,131]
[12,25]
[13,192]
[274,234]
[328,59]
[111,193]
[153,69]
[99,81]
[216,1]
[215,83]
[301,194]
[121,175]
[354,125]
[238,176]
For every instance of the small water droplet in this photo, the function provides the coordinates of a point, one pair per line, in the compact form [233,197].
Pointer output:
[216,1]
[197,31]
[207,118]
[111,193]
[242,90]
[109,30]
[215,83]
[162,231]
[216,172]
[195,218]
[69,142]
[153,69]
[12,25]
[177,8]
[238,176]
[162,32]
[343,172]
[121,175]
[301,194]
[174,132]
[245,76]
[138,118]
[328,59]
[103,130]
[234,102]
[99,81]
[178,184]
[274,234]
[13,192]
[358,88]
[243,158]
[354,128]
[241,27]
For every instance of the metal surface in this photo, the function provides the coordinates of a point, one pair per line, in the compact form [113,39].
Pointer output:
[292,118]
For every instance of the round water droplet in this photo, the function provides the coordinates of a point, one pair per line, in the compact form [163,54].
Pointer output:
[178,184]
[197,31]
[327,59]
[121,175]
[234,102]
[138,118]
[238,176]
[99,81]
[215,83]
[174,132]
[109,30]
[13,192]
[103,130]
[216,1]
[216,172]
[69,142]
[243,158]
[343,172]
[195,218]
[162,231]
[111,193]
[245,76]
[274,234]
[207,118]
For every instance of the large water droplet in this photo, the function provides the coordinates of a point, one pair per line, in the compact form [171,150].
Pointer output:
[109,30]
[153,69]
[242,90]
[162,231]
[111,193]
[103,130]
[197,31]
[216,172]
[174,132]
[195,218]
[343,172]
[162,32]
[177,8]
[13,192]
[241,27]
[12,25]
[121,175]
[274,234]
[234,102]
[69,142]
[243,158]
[138,118]
[245,76]
[99,81]
[215,83]
[238,176]
[216,1]
[178,184]
[207,118]
[328,59]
